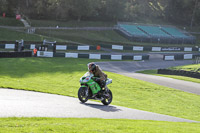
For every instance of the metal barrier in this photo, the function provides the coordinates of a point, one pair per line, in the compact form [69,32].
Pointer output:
[44,47]
[197,60]
[19,45]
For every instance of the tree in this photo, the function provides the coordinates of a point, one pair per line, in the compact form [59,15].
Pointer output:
[175,11]
[115,9]
[180,11]
[194,12]
[82,8]
[3,5]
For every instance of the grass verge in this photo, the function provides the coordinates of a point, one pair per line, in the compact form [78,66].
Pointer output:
[86,37]
[69,125]
[97,37]
[11,35]
[10,22]
[193,67]
[61,76]
[51,23]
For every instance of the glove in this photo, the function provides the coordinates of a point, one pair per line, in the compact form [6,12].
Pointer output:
[103,84]
[96,79]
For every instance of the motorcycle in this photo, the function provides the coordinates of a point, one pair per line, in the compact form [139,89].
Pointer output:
[91,90]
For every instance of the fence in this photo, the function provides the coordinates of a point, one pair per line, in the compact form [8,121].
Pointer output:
[197,60]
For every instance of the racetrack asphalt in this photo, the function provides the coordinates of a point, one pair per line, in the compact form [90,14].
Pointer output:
[19,103]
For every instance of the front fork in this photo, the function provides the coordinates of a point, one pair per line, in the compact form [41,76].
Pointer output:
[106,89]
[106,92]
[86,90]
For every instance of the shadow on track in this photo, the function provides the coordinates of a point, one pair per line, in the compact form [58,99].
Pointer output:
[103,107]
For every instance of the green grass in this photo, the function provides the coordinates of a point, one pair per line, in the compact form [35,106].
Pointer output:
[51,23]
[74,125]
[193,67]
[11,35]
[87,37]
[10,22]
[61,76]
[154,72]
[97,37]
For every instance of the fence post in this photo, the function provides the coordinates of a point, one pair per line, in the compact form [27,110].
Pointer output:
[197,60]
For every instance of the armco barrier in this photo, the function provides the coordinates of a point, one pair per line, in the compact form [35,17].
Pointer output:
[93,56]
[83,56]
[15,54]
[59,55]
[63,45]
[179,72]
[106,57]
[127,57]
[145,57]
[180,57]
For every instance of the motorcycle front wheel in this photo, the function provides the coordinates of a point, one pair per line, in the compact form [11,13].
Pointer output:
[107,98]
[82,94]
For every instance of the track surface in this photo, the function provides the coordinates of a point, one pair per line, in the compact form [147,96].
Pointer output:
[18,103]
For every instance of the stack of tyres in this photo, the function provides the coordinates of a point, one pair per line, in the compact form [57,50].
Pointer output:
[15,54]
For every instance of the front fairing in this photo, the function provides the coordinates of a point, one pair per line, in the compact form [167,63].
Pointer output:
[86,77]
[88,74]
[86,81]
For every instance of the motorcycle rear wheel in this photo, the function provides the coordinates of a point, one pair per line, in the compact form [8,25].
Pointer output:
[82,94]
[107,98]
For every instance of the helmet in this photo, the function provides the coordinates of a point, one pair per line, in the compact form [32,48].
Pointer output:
[92,66]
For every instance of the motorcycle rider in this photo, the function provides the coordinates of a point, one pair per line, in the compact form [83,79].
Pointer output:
[100,76]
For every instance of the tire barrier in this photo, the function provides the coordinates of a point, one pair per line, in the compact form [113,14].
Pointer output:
[15,54]
[179,72]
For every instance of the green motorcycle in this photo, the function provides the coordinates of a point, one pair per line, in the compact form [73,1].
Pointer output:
[91,90]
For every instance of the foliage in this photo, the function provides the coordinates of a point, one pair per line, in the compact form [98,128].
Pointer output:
[182,11]
[75,125]
[61,76]
[177,11]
